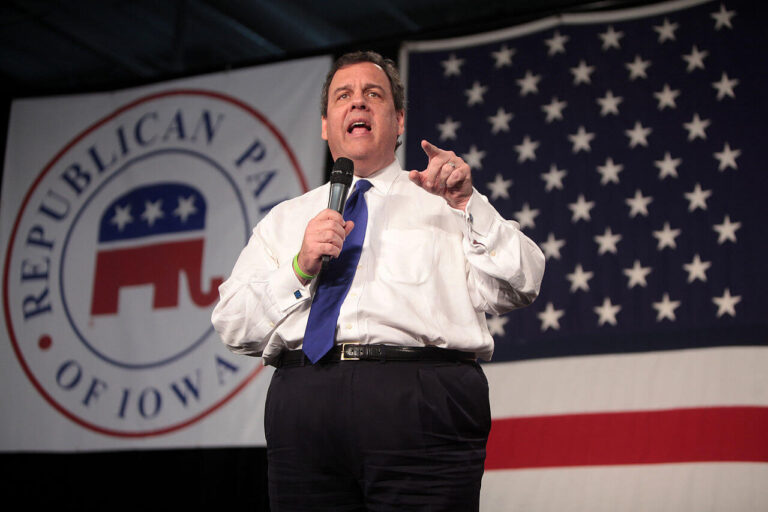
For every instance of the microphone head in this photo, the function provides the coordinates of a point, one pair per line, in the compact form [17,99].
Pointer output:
[343,171]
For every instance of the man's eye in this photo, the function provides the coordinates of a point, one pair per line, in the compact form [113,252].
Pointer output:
[373,94]
[343,96]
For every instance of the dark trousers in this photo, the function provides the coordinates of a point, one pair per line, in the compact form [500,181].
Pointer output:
[377,436]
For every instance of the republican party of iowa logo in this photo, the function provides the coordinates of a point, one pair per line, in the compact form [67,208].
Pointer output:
[118,250]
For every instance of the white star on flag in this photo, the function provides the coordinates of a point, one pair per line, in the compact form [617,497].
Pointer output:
[581,73]
[666,308]
[496,324]
[581,140]
[697,198]
[529,83]
[611,38]
[696,128]
[526,217]
[581,209]
[637,68]
[726,305]
[503,56]
[725,86]
[552,247]
[666,237]
[452,66]
[609,104]
[475,93]
[579,278]
[526,150]
[727,230]
[553,178]
[668,166]
[607,312]
[499,187]
[695,59]
[723,18]
[500,121]
[727,157]
[554,109]
[185,208]
[666,31]
[122,216]
[638,205]
[556,43]
[474,158]
[638,135]
[153,210]
[609,173]
[607,242]
[448,128]
[667,97]
[637,275]
[550,317]
[697,269]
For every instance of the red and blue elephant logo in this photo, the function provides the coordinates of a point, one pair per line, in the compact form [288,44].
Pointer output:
[150,236]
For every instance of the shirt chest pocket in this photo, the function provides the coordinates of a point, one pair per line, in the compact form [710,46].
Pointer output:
[406,255]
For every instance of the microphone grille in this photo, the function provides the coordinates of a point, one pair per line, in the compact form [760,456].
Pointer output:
[343,170]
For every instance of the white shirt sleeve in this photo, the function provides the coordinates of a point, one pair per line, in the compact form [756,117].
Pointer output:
[505,266]
[258,296]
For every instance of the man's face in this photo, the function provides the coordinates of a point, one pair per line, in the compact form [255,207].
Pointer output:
[362,123]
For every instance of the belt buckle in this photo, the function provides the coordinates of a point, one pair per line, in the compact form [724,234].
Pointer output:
[344,356]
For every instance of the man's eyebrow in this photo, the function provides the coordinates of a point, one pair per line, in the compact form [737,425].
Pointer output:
[345,87]
[348,87]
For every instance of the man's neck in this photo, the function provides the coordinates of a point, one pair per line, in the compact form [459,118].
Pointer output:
[363,170]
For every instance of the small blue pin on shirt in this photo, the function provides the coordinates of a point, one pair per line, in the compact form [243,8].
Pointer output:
[297,294]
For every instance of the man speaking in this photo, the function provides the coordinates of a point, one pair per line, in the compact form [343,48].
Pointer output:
[378,402]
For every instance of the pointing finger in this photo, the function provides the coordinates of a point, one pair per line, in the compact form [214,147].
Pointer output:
[430,149]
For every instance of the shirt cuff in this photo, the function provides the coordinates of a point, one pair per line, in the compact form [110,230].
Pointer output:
[287,291]
[477,218]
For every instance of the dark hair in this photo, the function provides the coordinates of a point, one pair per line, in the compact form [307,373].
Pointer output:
[387,65]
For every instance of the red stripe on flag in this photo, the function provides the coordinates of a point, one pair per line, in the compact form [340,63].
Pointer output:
[640,437]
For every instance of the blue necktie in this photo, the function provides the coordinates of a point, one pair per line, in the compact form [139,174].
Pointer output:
[334,281]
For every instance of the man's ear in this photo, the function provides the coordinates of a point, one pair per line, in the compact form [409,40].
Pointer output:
[324,129]
[400,122]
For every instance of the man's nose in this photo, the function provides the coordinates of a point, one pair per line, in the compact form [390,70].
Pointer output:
[359,102]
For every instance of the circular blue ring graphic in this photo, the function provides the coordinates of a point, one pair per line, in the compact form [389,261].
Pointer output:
[125,166]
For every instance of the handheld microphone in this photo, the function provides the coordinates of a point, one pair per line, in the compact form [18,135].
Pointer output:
[341,179]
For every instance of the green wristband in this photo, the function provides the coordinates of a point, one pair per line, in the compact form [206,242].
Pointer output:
[298,270]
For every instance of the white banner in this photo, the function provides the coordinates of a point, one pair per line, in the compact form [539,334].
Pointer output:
[121,214]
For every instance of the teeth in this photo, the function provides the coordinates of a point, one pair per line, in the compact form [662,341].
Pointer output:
[357,124]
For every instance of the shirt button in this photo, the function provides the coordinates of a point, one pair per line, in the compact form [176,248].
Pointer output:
[271,324]
[493,253]
[359,267]
[348,326]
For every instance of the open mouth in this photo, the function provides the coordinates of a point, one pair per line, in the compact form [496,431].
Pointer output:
[358,126]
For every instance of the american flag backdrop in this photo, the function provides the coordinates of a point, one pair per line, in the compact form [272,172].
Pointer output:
[630,145]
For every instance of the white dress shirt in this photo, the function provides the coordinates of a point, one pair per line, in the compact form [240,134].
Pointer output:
[427,274]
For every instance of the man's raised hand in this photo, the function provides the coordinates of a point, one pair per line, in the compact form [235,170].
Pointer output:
[446,175]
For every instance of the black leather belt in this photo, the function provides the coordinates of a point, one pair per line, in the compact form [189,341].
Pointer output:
[357,352]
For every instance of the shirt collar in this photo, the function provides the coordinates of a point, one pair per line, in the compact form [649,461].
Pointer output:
[383,178]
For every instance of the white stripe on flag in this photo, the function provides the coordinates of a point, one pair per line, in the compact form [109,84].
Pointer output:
[710,487]
[641,381]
